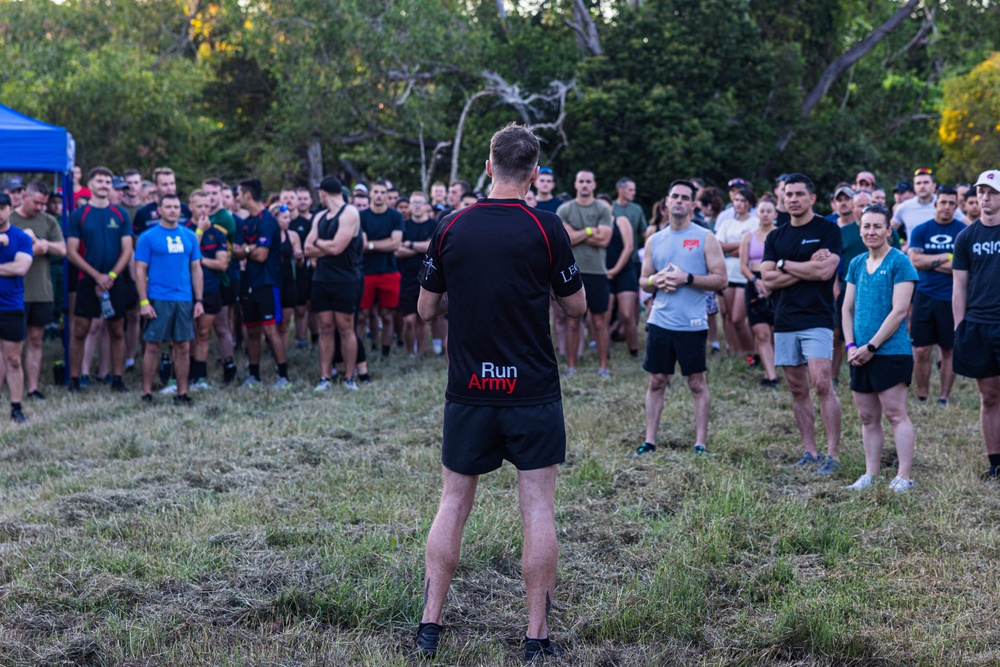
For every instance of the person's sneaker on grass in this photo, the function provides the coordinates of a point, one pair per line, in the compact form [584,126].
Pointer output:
[643,449]
[900,485]
[183,399]
[808,459]
[943,402]
[201,384]
[17,416]
[147,398]
[991,475]
[84,380]
[283,383]
[540,648]
[323,385]
[250,383]
[351,385]
[428,635]
[699,450]
[118,386]
[861,483]
[603,372]
[921,399]
[829,466]
[171,388]
[570,372]
[36,395]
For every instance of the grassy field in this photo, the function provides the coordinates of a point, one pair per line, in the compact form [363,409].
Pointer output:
[267,528]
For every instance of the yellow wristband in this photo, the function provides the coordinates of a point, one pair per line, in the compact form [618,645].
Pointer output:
[199,232]
[114,276]
[144,302]
[950,256]
[651,281]
[590,232]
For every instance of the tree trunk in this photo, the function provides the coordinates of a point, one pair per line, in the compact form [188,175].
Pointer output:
[315,155]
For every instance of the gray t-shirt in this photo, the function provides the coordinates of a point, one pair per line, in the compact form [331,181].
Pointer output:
[590,259]
[637,218]
[684,309]
[912,213]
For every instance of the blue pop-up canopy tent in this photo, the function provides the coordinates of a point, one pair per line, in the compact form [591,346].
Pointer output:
[29,145]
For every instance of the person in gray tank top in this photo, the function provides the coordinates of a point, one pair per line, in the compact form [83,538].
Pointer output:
[681,263]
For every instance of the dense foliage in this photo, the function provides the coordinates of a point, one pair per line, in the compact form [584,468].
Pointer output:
[681,87]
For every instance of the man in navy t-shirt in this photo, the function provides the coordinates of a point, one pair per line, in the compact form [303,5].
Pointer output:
[383,230]
[258,240]
[800,266]
[99,246]
[15,261]
[931,246]
[168,275]
[492,267]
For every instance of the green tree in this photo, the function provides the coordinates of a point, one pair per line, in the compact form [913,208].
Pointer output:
[970,122]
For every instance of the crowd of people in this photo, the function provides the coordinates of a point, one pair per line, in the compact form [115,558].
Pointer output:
[343,267]
[517,274]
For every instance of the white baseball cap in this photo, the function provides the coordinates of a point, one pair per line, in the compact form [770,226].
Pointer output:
[991,178]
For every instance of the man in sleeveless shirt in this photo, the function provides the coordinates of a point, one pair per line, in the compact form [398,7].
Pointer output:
[680,264]
[334,243]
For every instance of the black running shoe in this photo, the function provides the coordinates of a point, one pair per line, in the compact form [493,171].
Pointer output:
[183,399]
[36,395]
[118,387]
[643,449]
[147,398]
[991,475]
[17,416]
[74,386]
[544,648]
[428,635]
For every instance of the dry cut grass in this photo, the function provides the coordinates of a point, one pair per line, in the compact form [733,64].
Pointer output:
[266,528]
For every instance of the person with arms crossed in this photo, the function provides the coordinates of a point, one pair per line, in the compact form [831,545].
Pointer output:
[409,257]
[975,303]
[15,261]
[878,347]
[168,274]
[799,267]
[623,280]
[99,246]
[679,265]
[383,230]
[931,248]
[47,241]
[503,398]
[214,264]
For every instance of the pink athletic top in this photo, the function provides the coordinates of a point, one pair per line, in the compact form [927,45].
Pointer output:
[755,253]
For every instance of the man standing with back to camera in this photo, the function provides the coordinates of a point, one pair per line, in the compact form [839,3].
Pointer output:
[492,266]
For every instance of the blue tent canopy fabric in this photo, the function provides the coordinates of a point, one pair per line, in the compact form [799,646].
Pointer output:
[29,145]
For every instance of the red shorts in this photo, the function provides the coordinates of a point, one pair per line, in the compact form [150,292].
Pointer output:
[381,288]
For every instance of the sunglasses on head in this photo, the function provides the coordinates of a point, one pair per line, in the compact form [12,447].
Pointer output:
[924,171]
[875,208]
[545,170]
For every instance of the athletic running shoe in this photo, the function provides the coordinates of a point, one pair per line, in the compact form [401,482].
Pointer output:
[544,648]
[351,385]
[991,475]
[183,399]
[324,385]
[147,398]
[283,383]
[17,416]
[921,399]
[36,395]
[699,450]
[862,482]
[828,467]
[603,372]
[118,387]
[769,384]
[171,388]
[250,383]
[428,635]
[201,384]
[943,402]
[570,372]
[806,460]
[84,380]
[900,485]
[302,343]
[643,449]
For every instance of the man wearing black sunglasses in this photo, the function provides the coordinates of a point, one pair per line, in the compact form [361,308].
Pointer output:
[931,246]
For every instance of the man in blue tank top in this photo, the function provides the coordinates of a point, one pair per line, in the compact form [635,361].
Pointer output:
[680,264]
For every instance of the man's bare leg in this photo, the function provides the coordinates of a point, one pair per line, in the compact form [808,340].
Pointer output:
[540,555]
[444,541]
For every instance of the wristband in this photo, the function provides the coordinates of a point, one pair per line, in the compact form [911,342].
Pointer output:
[114,276]
[199,232]
[590,231]
[950,255]
[199,301]
[651,281]
[849,346]
[371,245]
[144,302]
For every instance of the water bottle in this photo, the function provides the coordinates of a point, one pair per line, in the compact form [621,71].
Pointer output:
[166,368]
[107,310]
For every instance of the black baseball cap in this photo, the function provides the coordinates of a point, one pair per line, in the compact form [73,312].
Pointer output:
[331,185]
[903,186]
[4,199]
[118,183]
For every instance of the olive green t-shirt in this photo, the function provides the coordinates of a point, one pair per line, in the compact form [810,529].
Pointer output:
[637,218]
[589,259]
[223,219]
[38,280]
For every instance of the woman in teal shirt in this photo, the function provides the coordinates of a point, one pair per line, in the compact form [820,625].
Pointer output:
[881,282]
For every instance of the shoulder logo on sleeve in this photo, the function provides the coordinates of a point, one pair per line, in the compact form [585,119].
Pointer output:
[567,274]
[429,267]
[691,244]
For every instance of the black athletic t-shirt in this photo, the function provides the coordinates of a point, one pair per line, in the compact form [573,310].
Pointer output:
[977,250]
[417,232]
[342,268]
[808,303]
[551,205]
[149,217]
[301,225]
[497,260]
[378,226]
[262,230]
